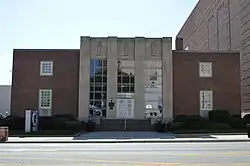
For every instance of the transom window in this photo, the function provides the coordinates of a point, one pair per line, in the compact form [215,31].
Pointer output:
[45,98]
[46,68]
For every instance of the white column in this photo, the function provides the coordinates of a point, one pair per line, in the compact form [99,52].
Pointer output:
[167,66]
[84,80]
[112,75]
[139,79]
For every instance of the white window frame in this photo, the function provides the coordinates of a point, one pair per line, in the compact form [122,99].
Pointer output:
[208,71]
[41,68]
[40,99]
[208,94]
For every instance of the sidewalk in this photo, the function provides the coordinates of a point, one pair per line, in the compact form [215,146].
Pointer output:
[169,138]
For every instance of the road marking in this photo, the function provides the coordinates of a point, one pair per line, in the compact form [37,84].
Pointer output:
[122,153]
[92,161]
[30,150]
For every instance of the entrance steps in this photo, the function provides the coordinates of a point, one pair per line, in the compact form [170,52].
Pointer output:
[119,125]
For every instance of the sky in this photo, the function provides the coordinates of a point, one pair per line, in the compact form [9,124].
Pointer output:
[58,24]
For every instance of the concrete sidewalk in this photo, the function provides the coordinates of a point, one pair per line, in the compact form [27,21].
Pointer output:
[132,137]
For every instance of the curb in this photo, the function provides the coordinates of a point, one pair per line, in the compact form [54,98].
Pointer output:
[126,141]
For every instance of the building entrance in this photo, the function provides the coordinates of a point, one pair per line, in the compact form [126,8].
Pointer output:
[125,106]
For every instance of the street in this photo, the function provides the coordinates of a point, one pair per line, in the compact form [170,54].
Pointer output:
[126,154]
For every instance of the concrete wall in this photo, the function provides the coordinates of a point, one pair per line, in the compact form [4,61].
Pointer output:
[5,97]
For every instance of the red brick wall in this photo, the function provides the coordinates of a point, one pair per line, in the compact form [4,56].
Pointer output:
[187,84]
[26,80]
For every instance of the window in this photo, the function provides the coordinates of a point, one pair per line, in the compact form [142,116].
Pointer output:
[205,69]
[98,85]
[206,100]
[46,68]
[45,98]
[126,76]
[153,84]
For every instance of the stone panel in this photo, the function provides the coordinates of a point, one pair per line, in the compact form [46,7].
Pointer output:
[153,48]
[98,47]
[126,48]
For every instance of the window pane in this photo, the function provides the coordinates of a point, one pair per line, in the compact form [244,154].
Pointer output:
[98,71]
[119,79]
[132,88]
[98,63]
[104,78]
[98,78]
[91,96]
[98,88]
[104,95]
[125,79]
[98,95]
[91,88]
[104,88]
[125,89]
[119,89]
[105,64]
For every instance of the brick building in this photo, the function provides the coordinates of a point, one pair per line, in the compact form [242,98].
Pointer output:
[125,77]
[221,25]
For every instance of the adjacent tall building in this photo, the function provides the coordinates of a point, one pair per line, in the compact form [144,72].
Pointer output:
[222,25]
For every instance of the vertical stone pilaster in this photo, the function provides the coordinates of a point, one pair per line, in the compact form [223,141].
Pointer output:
[167,66]
[140,53]
[84,70]
[112,75]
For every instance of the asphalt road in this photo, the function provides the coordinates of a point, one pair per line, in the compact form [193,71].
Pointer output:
[143,154]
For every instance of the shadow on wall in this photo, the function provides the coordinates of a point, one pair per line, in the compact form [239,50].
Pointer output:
[5,98]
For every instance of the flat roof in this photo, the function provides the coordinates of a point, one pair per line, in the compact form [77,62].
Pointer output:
[208,52]
[46,49]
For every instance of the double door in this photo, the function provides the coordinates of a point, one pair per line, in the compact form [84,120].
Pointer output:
[125,108]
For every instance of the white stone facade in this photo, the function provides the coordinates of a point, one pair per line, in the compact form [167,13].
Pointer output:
[138,52]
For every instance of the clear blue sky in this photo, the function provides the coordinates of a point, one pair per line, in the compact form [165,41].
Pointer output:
[60,23]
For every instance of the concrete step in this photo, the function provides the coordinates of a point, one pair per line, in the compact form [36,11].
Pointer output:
[119,125]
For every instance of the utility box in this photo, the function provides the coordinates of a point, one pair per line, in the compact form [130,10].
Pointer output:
[31,120]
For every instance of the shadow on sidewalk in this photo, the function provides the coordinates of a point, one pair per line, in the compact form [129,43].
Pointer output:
[136,135]
[123,135]
[203,135]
